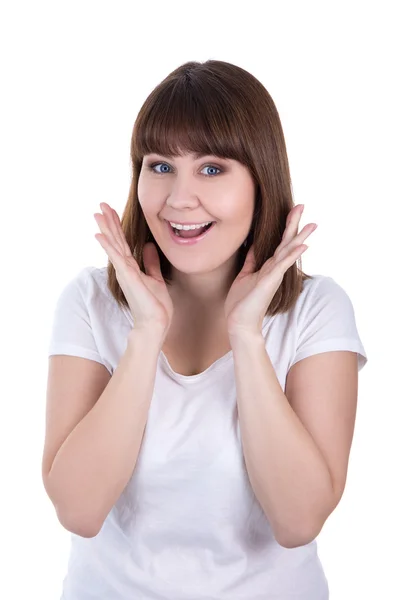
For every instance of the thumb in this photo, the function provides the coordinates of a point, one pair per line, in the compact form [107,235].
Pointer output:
[151,261]
[249,263]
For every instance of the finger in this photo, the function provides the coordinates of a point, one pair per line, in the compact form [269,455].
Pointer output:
[113,254]
[111,224]
[108,238]
[104,225]
[124,243]
[117,230]
[291,258]
[249,262]
[105,229]
[120,262]
[292,225]
[298,239]
[303,235]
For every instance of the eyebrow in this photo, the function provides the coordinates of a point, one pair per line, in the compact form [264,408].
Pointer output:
[196,155]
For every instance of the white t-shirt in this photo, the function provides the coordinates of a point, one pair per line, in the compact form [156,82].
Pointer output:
[187,525]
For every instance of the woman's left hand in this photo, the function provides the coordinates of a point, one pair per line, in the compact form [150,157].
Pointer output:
[252,292]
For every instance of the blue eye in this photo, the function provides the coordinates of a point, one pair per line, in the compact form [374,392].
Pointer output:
[211,167]
[154,165]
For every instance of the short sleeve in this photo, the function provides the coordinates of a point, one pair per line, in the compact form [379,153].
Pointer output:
[326,322]
[71,331]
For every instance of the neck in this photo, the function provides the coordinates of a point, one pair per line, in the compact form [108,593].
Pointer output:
[200,291]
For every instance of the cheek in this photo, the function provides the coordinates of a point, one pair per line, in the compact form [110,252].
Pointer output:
[144,190]
[139,191]
[150,193]
[147,200]
[236,209]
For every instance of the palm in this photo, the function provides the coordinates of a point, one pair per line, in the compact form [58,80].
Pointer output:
[241,288]
[154,298]
[159,290]
[145,292]
[252,291]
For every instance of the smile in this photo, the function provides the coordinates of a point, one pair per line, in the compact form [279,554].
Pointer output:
[188,241]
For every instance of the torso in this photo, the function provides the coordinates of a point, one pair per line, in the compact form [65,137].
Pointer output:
[191,346]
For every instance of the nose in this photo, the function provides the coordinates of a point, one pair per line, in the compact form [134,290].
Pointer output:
[182,193]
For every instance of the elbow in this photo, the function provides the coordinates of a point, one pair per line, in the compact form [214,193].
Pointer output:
[297,539]
[83,527]
[293,542]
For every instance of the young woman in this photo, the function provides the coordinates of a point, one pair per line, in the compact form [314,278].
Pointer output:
[202,389]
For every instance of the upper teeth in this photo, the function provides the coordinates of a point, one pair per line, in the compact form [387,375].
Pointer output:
[186,227]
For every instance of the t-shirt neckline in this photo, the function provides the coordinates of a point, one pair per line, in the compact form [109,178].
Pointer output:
[215,366]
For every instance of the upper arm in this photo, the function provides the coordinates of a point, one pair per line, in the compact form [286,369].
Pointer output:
[74,385]
[322,390]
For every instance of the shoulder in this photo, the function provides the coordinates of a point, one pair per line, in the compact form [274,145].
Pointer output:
[93,282]
[96,280]
[319,288]
[325,320]
[320,284]
[322,291]
[90,285]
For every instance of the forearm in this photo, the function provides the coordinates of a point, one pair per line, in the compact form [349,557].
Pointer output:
[287,472]
[97,459]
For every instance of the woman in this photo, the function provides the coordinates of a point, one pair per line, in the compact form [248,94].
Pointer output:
[202,389]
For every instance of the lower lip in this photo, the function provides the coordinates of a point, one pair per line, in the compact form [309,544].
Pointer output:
[188,241]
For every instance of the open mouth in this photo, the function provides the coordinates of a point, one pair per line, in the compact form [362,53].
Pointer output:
[190,236]
[191,233]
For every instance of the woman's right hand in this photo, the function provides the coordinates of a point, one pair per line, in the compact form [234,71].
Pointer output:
[146,293]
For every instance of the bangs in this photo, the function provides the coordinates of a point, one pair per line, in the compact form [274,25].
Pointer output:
[181,116]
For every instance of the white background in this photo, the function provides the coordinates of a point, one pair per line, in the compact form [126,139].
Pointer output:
[74,75]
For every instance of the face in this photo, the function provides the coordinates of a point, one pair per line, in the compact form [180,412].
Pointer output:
[187,189]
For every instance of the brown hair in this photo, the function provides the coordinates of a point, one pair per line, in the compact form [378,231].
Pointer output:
[220,109]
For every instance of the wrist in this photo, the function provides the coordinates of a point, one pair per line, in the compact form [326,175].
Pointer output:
[242,337]
[243,333]
[151,336]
